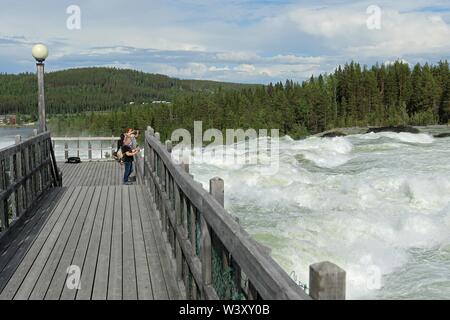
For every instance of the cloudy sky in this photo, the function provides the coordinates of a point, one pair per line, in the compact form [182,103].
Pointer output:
[255,41]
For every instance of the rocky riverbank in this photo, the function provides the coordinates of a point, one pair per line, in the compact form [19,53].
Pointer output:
[438,131]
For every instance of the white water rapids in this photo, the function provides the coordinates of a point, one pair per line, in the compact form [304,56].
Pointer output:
[378,205]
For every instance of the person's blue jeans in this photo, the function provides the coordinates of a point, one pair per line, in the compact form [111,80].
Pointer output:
[128,171]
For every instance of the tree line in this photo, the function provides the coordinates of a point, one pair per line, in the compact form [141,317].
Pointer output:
[95,89]
[353,95]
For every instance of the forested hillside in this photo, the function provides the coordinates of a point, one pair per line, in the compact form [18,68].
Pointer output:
[352,96]
[96,89]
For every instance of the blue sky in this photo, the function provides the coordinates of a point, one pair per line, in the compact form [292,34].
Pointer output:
[255,41]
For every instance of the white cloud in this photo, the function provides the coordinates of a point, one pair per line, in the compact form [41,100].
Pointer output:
[249,41]
[401,34]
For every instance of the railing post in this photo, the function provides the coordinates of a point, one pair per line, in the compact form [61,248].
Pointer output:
[216,189]
[29,182]
[4,223]
[178,222]
[184,161]
[89,150]
[326,281]
[169,146]
[19,175]
[66,150]
[206,253]
[113,145]
[78,148]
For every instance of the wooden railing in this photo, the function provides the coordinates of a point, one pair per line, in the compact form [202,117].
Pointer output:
[215,257]
[27,170]
[76,151]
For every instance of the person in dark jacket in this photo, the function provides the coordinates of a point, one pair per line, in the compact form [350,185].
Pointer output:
[128,158]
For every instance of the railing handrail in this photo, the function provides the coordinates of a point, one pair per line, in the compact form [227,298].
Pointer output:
[27,170]
[112,138]
[267,277]
[68,148]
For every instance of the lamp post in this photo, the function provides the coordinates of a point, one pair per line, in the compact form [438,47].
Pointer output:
[40,53]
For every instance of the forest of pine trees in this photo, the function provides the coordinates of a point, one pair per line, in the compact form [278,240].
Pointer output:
[353,95]
[95,89]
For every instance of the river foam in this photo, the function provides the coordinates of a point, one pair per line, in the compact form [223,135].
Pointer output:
[369,203]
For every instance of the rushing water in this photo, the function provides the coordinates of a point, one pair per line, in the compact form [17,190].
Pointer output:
[7,135]
[378,205]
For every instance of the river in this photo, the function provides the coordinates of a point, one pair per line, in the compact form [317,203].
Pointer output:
[378,205]
[7,135]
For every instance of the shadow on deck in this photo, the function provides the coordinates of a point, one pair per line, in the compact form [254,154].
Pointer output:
[105,233]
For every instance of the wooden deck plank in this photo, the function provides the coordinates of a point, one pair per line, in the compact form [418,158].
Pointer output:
[87,251]
[8,249]
[156,272]
[62,254]
[78,238]
[115,267]
[100,289]
[16,251]
[164,252]
[51,252]
[104,173]
[129,266]
[59,214]
[144,283]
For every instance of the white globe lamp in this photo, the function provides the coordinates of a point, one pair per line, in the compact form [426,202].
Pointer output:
[40,52]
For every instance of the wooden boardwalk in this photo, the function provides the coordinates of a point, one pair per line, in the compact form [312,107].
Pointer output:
[92,173]
[107,231]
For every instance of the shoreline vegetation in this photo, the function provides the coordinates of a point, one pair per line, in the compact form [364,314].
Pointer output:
[102,101]
[434,130]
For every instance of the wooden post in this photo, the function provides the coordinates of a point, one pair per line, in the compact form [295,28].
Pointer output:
[169,146]
[66,150]
[35,132]
[206,253]
[178,252]
[158,136]
[216,189]
[41,102]
[78,148]
[113,146]
[89,150]
[19,195]
[326,281]
[28,184]
[3,211]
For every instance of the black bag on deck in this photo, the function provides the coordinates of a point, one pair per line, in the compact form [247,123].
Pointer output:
[74,160]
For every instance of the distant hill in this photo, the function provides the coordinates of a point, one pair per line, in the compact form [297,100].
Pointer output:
[98,89]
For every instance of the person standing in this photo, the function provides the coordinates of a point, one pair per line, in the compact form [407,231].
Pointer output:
[128,158]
